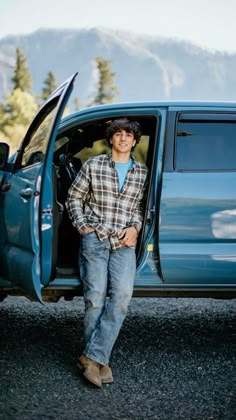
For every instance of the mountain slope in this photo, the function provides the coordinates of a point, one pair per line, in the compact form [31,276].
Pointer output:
[146,68]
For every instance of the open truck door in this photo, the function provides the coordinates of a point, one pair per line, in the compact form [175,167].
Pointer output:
[26,201]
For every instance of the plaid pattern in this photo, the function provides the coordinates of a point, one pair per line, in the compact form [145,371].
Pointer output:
[94,198]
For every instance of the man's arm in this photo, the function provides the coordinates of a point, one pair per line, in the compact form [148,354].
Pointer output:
[77,195]
[137,218]
[129,235]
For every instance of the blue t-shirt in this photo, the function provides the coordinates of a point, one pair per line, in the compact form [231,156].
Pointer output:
[122,169]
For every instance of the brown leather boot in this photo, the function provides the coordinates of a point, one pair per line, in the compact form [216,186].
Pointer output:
[91,370]
[106,374]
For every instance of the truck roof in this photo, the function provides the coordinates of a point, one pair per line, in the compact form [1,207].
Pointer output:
[222,105]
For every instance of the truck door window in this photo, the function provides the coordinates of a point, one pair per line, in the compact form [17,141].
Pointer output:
[205,145]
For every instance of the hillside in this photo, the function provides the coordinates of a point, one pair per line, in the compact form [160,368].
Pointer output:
[147,68]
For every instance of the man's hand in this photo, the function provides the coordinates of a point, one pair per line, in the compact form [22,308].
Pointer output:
[86,230]
[128,236]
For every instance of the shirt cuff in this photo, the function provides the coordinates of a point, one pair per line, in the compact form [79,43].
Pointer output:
[80,225]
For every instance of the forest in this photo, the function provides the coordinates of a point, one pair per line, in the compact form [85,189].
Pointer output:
[19,107]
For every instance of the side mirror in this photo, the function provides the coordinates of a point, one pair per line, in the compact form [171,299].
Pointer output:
[4,154]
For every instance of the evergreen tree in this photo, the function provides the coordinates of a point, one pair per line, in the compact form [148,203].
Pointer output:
[22,77]
[106,86]
[50,85]
[18,109]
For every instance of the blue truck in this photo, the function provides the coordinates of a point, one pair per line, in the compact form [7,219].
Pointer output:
[187,246]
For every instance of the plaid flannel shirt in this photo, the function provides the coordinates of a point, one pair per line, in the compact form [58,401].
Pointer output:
[94,199]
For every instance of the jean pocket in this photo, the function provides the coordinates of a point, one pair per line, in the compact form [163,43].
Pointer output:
[89,240]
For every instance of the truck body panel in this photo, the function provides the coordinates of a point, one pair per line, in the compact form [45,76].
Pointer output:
[187,246]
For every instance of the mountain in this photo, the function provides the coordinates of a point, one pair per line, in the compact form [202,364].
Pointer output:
[147,68]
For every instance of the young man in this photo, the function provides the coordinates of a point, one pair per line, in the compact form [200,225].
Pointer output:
[105,205]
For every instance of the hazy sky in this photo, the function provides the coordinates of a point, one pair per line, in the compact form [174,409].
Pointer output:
[208,23]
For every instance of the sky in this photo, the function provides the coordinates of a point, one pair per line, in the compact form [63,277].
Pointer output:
[208,23]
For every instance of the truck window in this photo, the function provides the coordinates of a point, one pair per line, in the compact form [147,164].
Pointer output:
[205,145]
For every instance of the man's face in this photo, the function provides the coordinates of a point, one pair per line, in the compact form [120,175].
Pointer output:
[122,141]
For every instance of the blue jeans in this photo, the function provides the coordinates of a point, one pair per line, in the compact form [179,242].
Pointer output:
[104,270]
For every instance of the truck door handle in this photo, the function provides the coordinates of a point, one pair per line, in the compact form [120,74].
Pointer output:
[26,193]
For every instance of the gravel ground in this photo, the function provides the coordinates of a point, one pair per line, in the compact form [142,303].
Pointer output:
[174,359]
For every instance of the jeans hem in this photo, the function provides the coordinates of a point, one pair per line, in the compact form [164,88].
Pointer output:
[94,360]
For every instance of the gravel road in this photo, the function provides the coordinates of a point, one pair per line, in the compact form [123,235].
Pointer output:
[174,359]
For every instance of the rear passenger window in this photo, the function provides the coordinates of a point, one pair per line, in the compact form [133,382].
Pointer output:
[205,142]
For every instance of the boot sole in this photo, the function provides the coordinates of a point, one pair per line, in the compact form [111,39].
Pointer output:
[107,380]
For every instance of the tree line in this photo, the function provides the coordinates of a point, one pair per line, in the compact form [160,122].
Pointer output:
[19,107]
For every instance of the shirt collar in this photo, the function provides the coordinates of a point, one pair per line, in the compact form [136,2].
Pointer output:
[112,163]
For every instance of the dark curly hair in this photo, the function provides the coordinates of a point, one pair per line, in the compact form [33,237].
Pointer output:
[123,124]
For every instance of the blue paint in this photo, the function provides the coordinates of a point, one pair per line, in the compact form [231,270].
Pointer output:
[189,235]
